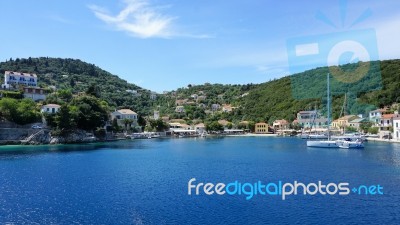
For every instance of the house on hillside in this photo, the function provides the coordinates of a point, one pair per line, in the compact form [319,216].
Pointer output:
[227,108]
[123,114]
[180,109]
[215,107]
[50,108]
[35,93]
[15,79]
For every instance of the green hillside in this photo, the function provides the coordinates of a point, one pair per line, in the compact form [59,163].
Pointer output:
[276,99]
[77,76]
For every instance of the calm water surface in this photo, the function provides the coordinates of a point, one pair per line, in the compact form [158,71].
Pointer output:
[145,182]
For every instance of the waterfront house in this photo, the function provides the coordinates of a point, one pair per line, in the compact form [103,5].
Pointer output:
[261,128]
[375,115]
[280,125]
[386,124]
[123,114]
[396,128]
[50,108]
[181,129]
[200,128]
[311,119]
[343,122]
[356,123]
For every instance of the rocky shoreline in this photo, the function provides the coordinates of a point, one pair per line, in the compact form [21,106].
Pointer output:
[44,136]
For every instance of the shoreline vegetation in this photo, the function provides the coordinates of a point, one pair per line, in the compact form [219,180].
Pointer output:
[82,138]
[71,101]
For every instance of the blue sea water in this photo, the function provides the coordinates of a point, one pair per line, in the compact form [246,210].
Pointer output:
[146,182]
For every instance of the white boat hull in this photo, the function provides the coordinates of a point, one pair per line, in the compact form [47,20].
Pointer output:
[322,144]
[350,144]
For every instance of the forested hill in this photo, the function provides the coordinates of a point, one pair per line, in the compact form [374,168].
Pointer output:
[282,98]
[276,99]
[77,76]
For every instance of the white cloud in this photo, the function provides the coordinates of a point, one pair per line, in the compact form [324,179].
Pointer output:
[140,19]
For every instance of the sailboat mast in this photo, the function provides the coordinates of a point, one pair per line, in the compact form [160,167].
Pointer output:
[328,104]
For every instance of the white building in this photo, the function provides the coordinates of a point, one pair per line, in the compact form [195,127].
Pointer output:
[308,119]
[375,115]
[16,78]
[180,109]
[215,107]
[396,128]
[50,108]
[153,95]
[156,115]
[123,114]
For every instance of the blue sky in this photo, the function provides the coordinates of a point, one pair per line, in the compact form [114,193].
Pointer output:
[163,45]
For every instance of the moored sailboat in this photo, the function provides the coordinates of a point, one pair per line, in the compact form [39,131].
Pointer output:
[325,143]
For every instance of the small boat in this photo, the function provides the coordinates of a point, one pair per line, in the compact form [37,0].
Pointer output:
[350,144]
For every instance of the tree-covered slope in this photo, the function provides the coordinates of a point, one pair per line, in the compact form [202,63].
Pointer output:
[378,86]
[77,76]
[283,98]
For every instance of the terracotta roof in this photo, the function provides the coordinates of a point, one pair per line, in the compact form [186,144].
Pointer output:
[387,116]
[200,125]
[281,121]
[223,122]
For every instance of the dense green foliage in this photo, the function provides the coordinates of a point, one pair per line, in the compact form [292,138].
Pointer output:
[157,126]
[78,76]
[276,99]
[214,126]
[84,112]
[22,111]
[11,94]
